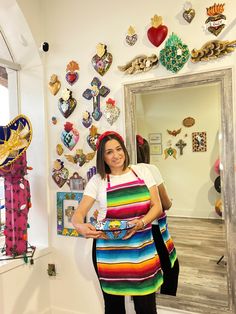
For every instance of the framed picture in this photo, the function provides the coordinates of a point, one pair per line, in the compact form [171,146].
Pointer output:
[155,138]
[155,149]
[66,205]
[199,142]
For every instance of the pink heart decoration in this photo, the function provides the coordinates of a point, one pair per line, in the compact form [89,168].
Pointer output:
[69,139]
[72,77]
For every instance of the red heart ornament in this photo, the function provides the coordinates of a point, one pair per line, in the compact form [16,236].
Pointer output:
[157,32]
[72,77]
[157,35]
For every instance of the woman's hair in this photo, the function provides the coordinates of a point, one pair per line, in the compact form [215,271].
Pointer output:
[102,167]
[143,150]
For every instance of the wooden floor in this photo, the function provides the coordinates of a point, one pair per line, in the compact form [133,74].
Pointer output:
[202,282]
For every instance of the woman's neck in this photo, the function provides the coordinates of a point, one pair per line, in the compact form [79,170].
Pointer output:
[119,171]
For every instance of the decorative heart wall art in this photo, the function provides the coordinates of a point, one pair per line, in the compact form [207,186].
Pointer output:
[189,13]
[69,136]
[67,103]
[215,21]
[92,137]
[102,60]
[72,74]
[157,32]
[175,54]
[131,36]
[15,138]
[54,84]
[60,174]
[112,112]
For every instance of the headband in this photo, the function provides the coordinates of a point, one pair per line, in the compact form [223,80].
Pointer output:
[105,134]
[140,139]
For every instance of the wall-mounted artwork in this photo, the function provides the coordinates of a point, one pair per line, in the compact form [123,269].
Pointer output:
[66,205]
[199,142]
[156,149]
[155,138]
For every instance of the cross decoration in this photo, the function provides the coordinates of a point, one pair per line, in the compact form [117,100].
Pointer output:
[181,144]
[96,92]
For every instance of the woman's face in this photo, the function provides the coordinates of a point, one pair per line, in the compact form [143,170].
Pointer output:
[114,155]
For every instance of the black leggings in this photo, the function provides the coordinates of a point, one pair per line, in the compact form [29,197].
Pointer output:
[115,304]
[170,275]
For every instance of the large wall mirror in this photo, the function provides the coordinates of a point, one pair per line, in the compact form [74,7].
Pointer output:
[205,241]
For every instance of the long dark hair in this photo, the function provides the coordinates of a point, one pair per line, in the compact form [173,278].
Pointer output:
[143,150]
[102,167]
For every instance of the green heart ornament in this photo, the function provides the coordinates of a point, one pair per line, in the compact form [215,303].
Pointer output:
[175,54]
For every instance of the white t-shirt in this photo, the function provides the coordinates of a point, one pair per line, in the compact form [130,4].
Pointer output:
[155,173]
[96,187]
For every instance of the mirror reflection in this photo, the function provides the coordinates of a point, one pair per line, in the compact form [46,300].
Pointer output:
[182,124]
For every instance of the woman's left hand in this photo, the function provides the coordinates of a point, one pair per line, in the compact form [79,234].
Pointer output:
[138,225]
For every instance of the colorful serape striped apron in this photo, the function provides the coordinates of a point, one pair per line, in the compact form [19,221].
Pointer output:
[132,266]
[162,222]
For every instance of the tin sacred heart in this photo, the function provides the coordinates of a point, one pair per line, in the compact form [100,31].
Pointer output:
[66,103]
[102,60]
[158,32]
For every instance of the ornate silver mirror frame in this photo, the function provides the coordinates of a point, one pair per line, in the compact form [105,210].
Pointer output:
[228,149]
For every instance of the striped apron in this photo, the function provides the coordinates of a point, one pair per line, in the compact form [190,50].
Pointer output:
[162,222]
[132,266]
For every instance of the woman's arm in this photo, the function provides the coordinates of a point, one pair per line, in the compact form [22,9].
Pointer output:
[165,201]
[85,229]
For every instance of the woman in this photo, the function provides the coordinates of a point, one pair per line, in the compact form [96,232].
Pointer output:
[129,266]
[163,241]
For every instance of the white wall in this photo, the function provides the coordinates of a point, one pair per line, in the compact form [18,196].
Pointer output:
[190,177]
[25,288]
[73,28]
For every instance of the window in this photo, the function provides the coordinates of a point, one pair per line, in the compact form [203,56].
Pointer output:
[8,103]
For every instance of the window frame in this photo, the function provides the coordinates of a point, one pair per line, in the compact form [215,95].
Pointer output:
[13,91]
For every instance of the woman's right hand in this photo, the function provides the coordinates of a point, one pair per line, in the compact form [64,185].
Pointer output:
[87,230]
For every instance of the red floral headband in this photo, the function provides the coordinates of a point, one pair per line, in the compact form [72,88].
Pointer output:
[105,134]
